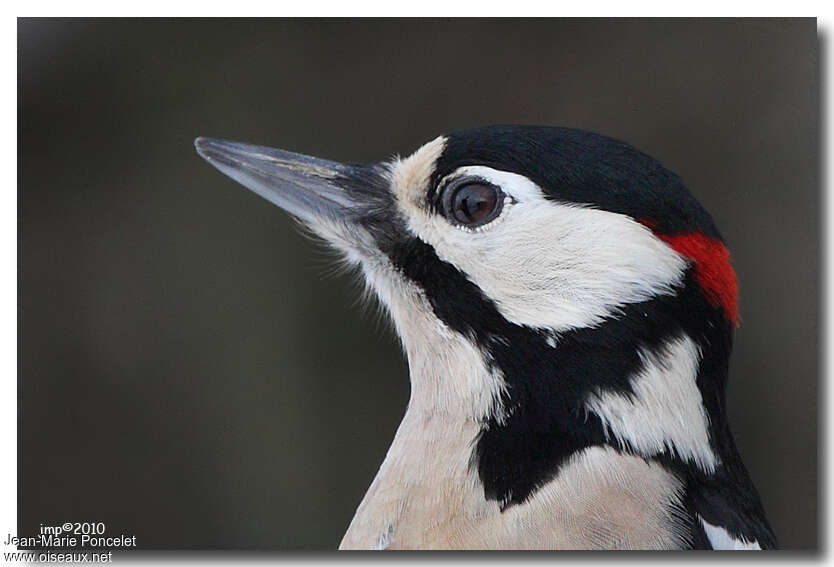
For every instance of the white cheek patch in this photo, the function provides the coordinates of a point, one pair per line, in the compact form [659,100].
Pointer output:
[666,409]
[721,539]
[548,265]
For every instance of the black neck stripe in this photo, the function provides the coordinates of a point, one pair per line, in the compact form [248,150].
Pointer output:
[547,387]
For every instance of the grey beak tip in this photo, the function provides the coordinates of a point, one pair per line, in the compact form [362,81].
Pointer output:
[200,144]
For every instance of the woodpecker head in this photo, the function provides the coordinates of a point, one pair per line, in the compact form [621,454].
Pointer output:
[558,287]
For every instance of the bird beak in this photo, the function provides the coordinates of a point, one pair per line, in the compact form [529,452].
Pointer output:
[315,190]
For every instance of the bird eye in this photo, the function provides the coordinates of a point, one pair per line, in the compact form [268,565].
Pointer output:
[473,204]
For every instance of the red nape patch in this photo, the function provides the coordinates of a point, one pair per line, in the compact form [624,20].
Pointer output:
[713,271]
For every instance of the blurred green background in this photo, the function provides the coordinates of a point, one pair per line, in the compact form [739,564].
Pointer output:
[191,369]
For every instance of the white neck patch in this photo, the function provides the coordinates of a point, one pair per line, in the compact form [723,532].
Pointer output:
[666,410]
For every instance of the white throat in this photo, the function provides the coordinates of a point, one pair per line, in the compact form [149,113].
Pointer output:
[426,478]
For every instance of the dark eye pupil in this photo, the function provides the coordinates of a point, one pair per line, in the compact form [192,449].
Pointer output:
[474,203]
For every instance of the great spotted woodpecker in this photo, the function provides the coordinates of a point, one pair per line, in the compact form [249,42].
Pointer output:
[567,309]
